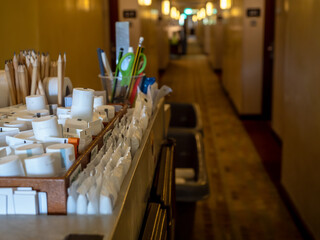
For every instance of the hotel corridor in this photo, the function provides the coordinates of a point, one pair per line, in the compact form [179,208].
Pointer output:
[243,203]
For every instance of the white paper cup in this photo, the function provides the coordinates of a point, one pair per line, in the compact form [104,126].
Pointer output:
[44,165]
[64,153]
[46,127]
[82,104]
[35,102]
[11,166]
[98,101]
[22,125]
[29,150]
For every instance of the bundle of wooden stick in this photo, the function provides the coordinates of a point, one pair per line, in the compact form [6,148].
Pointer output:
[27,70]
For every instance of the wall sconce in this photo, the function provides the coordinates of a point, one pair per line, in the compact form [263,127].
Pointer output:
[225,4]
[144,2]
[209,8]
[202,13]
[199,15]
[177,15]
[173,12]
[165,7]
[194,18]
[181,20]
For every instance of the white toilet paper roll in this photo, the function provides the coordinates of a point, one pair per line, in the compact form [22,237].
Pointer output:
[22,113]
[22,125]
[29,150]
[40,113]
[46,127]
[11,166]
[51,87]
[27,118]
[97,101]
[35,102]
[82,104]
[25,135]
[64,152]
[44,165]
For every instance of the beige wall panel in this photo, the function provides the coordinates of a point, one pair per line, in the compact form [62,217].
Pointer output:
[149,27]
[232,56]
[207,35]
[75,27]
[72,26]
[19,27]
[252,58]
[243,56]
[163,43]
[301,152]
[216,41]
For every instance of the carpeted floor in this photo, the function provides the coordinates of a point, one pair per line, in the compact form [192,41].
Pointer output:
[244,203]
[267,145]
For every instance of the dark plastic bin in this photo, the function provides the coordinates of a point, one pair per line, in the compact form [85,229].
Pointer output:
[185,117]
[189,153]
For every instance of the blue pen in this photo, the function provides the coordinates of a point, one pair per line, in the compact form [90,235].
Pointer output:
[146,82]
[99,51]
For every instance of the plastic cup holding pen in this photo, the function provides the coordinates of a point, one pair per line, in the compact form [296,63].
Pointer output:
[121,89]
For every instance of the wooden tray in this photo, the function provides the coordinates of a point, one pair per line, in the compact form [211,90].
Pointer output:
[56,187]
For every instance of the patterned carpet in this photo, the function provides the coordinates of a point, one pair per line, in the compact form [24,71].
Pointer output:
[243,203]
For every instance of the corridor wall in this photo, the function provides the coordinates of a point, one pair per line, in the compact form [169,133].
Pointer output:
[206,39]
[301,103]
[76,27]
[242,63]
[216,42]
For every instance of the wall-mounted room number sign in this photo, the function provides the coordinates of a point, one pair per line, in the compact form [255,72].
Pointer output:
[129,14]
[253,12]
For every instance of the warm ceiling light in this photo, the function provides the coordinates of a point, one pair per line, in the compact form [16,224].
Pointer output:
[225,4]
[194,18]
[202,13]
[165,7]
[198,15]
[209,8]
[173,12]
[145,2]
[178,15]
